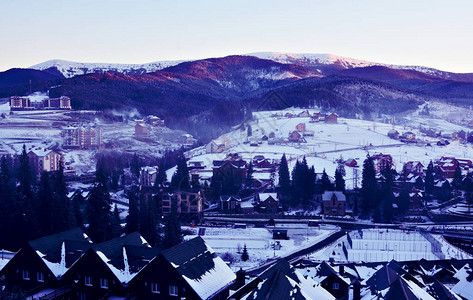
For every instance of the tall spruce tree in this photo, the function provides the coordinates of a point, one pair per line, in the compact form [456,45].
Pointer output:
[133,218]
[429,179]
[161,176]
[180,179]
[325,185]
[249,176]
[44,205]
[457,177]
[369,188]
[7,202]
[284,181]
[339,180]
[61,208]
[115,226]
[98,213]
[25,222]
[172,229]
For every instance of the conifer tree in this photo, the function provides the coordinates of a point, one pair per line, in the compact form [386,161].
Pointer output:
[148,221]
[326,185]
[429,179]
[339,181]
[132,220]
[7,204]
[116,228]
[250,131]
[244,255]
[161,176]
[78,218]
[249,176]
[25,222]
[98,213]
[457,177]
[44,203]
[172,229]
[61,209]
[284,181]
[369,189]
[180,179]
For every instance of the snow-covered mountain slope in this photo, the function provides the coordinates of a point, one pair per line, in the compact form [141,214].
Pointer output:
[340,62]
[70,69]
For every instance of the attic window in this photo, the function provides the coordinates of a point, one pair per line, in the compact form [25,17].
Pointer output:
[335,286]
[155,288]
[26,275]
[104,283]
[88,280]
[40,276]
[173,290]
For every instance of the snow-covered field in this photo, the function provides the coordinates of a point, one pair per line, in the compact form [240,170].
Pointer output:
[229,242]
[377,245]
[350,138]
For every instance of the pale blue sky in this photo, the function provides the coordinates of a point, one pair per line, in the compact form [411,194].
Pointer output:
[412,32]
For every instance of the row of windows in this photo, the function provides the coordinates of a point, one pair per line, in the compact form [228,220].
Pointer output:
[39,276]
[103,282]
[173,289]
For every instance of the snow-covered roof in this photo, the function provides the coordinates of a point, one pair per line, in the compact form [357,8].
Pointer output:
[126,256]
[198,264]
[327,196]
[464,287]
[265,196]
[60,251]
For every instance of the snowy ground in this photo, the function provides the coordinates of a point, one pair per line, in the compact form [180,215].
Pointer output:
[377,245]
[229,242]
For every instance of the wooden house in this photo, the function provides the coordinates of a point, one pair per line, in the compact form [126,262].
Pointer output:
[268,203]
[331,118]
[106,269]
[41,263]
[230,204]
[393,134]
[333,203]
[295,137]
[191,270]
[300,127]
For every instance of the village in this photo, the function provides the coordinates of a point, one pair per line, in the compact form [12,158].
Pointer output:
[233,206]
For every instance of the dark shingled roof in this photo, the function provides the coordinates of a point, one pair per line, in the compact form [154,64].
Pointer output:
[75,241]
[192,258]
[138,252]
[385,276]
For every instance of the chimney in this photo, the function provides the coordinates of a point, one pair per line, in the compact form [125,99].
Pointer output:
[356,289]
[341,270]
[240,278]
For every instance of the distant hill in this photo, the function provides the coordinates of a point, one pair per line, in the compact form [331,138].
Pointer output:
[15,77]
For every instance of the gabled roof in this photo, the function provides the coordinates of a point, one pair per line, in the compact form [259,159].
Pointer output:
[126,256]
[59,251]
[441,292]
[327,196]
[282,281]
[227,198]
[464,287]
[385,276]
[404,289]
[204,271]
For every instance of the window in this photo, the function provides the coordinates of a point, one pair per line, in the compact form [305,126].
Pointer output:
[173,290]
[40,277]
[154,288]
[88,280]
[335,286]
[104,283]
[26,275]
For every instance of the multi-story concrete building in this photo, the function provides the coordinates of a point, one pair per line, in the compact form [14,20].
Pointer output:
[83,137]
[25,103]
[44,160]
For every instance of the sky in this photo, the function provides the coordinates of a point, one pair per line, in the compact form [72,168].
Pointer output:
[430,33]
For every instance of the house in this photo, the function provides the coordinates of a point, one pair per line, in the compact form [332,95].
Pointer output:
[44,160]
[314,118]
[351,162]
[106,269]
[268,203]
[333,203]
[41,263]
[141,129]
[230,172]
[189,204]
[191,270]
[154,121]
[332,281]
[382,162]
[331,118]
[148,175]
[281,281]
[218,145]
[408,135]
[304,114]
[413,167]
[393,134]
[295,137]
[230,204]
